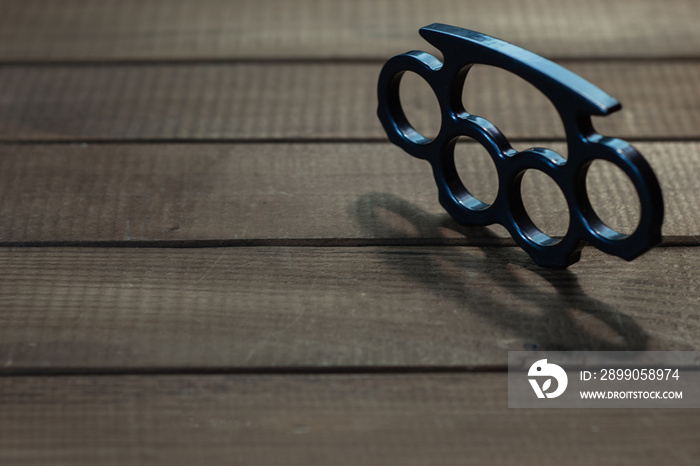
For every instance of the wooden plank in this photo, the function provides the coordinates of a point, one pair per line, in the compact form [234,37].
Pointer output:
[299,419]
[137,29]
[312,101]
[123,309]
[338,194]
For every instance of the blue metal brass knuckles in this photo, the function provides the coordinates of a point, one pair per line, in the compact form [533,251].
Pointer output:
[574,98]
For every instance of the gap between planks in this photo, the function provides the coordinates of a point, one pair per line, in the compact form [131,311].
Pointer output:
[486,241]
[562,60]
[292,140]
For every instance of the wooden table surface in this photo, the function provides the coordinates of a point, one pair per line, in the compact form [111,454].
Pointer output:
[210,254]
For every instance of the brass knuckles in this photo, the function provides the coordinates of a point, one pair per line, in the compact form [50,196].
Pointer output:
[574,98]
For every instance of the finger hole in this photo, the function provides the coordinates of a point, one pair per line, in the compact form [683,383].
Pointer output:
[519,110]
[613,197]
[476,170]
[545,205]
[420,106]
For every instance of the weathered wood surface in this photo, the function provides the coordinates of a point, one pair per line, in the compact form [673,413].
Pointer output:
[219,29]
[300,420]
[274,101]
[338,194]
[344,261]
[304,307]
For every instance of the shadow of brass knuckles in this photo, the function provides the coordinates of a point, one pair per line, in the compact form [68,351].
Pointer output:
[574,98]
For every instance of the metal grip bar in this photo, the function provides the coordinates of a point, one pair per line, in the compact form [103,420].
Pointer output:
[575,100]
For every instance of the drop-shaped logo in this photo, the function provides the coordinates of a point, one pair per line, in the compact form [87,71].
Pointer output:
[541,369]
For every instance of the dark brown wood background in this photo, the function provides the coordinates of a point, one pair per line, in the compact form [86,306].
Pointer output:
[209,253]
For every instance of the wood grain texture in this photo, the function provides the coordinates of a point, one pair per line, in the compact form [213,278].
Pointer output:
[339,419]
[338,194]
[299,177]
[283,307]
[182,29]
[314,102]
